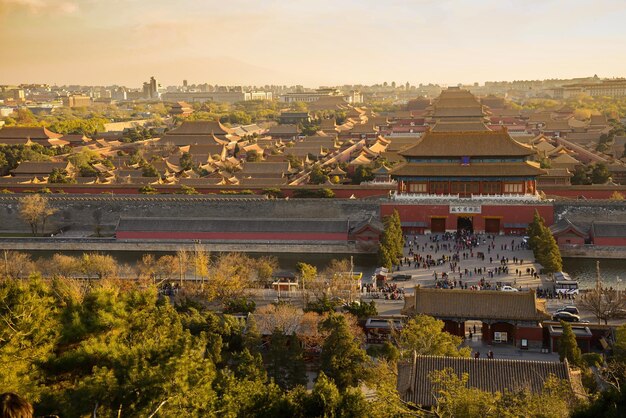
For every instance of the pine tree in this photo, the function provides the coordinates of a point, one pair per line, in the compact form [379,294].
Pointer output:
[568,347]
[534,230]
[342,358]
[548,254]
[391,245]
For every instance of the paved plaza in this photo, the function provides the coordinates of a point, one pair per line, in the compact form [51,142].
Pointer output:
[424,246]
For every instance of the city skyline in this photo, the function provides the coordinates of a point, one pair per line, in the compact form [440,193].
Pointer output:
[323,43]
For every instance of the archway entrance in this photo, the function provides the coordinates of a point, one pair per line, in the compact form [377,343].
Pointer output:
[464,223]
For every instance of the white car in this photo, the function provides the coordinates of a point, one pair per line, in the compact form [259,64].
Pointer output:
[508,289]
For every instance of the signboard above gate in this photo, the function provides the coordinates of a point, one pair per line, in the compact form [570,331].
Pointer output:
[461,209]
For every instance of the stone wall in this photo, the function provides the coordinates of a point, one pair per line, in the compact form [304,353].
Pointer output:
[84,212]
[64,244]
[586,211]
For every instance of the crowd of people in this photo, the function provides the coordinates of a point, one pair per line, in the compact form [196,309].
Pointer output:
[452,249]
[389,291]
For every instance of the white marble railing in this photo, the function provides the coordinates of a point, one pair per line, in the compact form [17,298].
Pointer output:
[474,197]
[423,196]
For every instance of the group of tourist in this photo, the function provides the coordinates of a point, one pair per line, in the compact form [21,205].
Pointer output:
[390,291]
[452,249]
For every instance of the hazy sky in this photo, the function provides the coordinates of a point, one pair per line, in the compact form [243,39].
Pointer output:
[310,42]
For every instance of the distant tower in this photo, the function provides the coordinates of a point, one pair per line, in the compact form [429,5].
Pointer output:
[154,88]
[184,83]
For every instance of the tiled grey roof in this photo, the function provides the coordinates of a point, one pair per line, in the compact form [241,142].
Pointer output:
[496,375]
[472,304]
[608,229]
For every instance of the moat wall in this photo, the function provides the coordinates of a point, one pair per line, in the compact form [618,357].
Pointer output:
[84,213]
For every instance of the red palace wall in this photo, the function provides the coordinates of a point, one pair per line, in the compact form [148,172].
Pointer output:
[588,192]
[509,214]
[610,241]
[573,240]
[232,236]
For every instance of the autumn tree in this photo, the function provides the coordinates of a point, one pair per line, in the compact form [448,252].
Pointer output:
[35,210]
[229,277]
[265,267]
[424,335]
[307,275]
[98,265]
[604,303]
[62,265]
[455,398]
[183,260]
[201,260]
[16,264]
[281,316]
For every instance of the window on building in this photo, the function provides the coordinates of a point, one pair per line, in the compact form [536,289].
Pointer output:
[513,188]
[465,160]
[464,187]
[439,187]
[418,187]
[492,187]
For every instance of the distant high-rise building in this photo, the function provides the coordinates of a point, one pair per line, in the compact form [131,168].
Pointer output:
[151,89]
[18,95]
[77,100]
[184,83]
[120,94]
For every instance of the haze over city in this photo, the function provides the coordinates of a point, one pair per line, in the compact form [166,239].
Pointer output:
[311,43]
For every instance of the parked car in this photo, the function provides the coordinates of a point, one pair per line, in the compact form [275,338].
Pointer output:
[401,277]
[565,316]
[508,289]
[570,308]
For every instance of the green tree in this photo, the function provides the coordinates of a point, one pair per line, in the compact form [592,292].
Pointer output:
[362,310]
[188,190]
[149,171]
[342,359]
[317,176]
[148,190]
[548,253]
[361,174]
[29,314]
[581,176]
[318,193]
[568,347]
[392,241]
[544,246]
[186,161]
[253,156]
[59,176]
[285,360]
[534,230]
[455,399]
[600,174]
